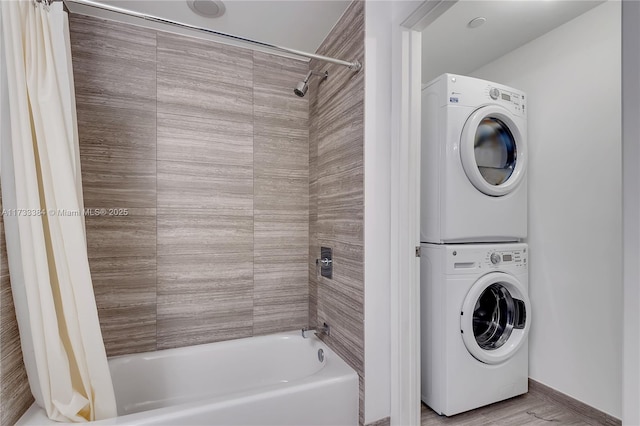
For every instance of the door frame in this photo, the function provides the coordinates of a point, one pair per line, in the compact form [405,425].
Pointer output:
[410,18]
[631,212]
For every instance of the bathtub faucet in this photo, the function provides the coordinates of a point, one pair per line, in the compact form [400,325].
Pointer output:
[323,329]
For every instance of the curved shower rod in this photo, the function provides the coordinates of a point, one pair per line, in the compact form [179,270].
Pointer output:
[355,65]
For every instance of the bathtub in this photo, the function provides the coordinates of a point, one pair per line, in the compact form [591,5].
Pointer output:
[280,379]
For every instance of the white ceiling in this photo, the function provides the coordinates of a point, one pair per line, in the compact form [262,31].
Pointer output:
[297,24]
[449,46]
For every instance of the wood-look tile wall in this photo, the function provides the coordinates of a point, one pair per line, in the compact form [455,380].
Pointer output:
[205,192]
[336,217]
[15,394]
[207,147]
[281,201]
[115,83]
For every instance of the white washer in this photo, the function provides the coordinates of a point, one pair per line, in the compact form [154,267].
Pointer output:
[474,161]
[475,322]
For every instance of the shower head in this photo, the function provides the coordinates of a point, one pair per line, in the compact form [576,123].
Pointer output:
[301,89]
[303,86]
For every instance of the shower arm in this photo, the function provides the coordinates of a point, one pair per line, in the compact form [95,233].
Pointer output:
[354,65]
[324,75]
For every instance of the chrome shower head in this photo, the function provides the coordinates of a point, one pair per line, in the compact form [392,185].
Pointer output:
[303,86]
[301,89]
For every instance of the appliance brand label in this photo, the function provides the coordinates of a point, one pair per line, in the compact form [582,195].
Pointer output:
[453,100]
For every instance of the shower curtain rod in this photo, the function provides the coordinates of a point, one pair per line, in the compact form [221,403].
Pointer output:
[355,65]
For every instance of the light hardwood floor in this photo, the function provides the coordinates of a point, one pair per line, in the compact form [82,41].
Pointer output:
[526,410]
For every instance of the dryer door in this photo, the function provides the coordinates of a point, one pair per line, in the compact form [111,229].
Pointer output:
[495,318]
[493,151]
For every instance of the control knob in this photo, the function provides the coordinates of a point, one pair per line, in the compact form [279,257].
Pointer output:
[495,258]
[494,93]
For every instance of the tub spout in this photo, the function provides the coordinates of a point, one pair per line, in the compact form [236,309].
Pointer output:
[323,329]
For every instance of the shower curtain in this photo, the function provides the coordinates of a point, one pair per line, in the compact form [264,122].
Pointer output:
[43,216]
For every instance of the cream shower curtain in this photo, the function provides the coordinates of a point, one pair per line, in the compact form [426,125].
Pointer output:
[42,200]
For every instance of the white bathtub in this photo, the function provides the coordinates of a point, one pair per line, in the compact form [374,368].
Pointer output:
[267,380]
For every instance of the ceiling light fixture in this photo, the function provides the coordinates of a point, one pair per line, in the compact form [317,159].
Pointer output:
[476,22]
[207,8]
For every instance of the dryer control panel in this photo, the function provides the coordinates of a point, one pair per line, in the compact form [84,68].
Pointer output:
[458,90]
[502,95]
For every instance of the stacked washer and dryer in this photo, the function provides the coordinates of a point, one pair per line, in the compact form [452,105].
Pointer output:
[475,307]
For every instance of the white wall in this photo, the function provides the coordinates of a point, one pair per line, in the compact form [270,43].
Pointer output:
[377,209]
[631,210]
[572,78]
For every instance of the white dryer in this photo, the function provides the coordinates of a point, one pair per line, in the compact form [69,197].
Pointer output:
[474,161]
[475,321]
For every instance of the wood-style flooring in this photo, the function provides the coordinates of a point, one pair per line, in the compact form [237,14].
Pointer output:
[526,410]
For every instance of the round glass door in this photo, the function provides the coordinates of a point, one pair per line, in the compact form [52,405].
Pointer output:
[494,318]
[493,151]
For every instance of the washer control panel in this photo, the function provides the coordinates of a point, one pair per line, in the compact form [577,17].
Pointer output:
[476,258]
[500,258]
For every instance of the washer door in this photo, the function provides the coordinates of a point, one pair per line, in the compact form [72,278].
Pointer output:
[495,318]
[493,151]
